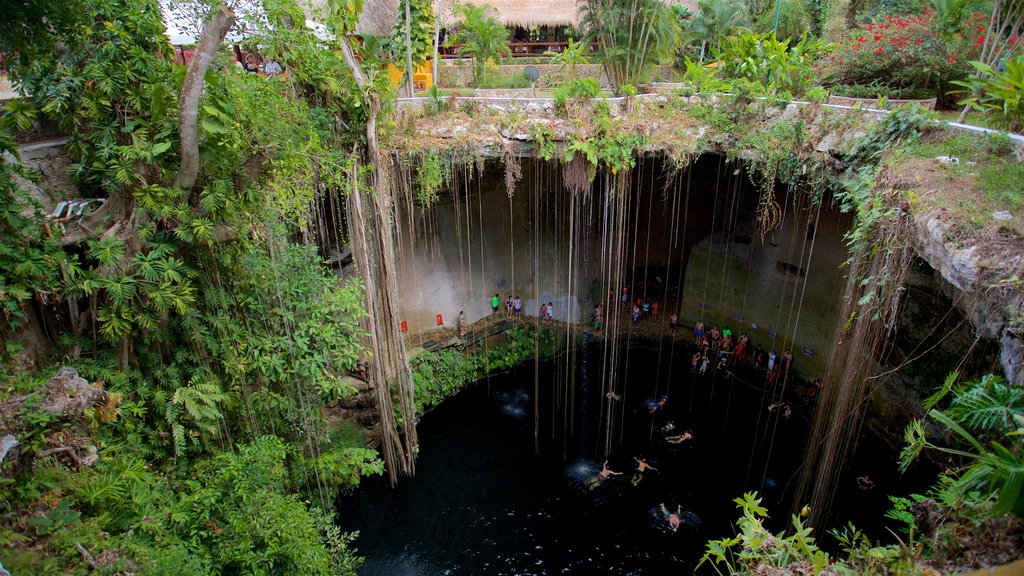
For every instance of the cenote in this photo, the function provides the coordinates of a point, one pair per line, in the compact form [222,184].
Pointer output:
[624,320]
[484,502]
[507,470]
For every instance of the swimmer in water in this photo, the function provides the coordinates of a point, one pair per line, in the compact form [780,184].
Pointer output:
[865,483]
[613,396]
[607,472]
[672,517]
[668,427]
[679,438]
[786,410]
[660,404]
[641,467]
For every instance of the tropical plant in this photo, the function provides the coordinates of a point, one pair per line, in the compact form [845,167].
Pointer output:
[999,93]
[984,408]
[756,546]
[574,54]
[715,21]
[904,51]
[421,33]
[1001,36]
[763,60]
[481,35]
[794,20]
[633,35]
[570,93]
[29,260]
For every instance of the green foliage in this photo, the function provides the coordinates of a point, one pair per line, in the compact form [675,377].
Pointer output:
[794,20]
[440,375]
[421,33]
[481,35]
[573,93]
[544,137]
[1001,94]
[700,78]
[766,62]
[902,126]
[576,53]
[108,87]
[715,21]
[909,50]
[755,546]
[433,173]
[29,259]
[989,410]
[213,326]
[633,34]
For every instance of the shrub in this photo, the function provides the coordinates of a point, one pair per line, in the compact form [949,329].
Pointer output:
[902,52]
[765,61]
[575,90]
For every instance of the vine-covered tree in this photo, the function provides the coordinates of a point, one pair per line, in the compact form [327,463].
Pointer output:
[633,34]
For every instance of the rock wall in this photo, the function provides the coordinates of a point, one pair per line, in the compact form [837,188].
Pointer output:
[975,277]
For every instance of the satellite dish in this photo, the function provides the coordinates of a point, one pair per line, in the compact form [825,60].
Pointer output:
[532,73]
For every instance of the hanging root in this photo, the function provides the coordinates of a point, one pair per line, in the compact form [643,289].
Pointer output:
[513,168]
[577,175]
[769,212]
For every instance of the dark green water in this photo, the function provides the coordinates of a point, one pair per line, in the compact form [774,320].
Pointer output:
[483,503]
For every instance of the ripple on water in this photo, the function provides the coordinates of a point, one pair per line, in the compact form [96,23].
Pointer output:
[514,403]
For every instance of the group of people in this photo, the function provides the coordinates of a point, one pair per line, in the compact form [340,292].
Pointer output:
[643,466]
[270,68]
[514,307]
[721,349]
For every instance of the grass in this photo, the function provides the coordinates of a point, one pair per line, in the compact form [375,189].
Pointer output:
[348,435]
[987,164]
[537,93]
[1003,182]
[973,119]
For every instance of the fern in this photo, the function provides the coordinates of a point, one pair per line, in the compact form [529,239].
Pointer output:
[989,406]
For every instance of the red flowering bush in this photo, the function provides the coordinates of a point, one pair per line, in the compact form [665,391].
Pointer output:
[905,53]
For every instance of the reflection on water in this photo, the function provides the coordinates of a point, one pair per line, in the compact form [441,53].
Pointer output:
[482,503]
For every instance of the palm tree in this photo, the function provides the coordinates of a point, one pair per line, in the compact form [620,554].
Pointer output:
[716,20]
[481,35]
[633,35]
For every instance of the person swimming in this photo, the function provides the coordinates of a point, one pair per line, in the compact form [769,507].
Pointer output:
[679,438]
[786,410]
[641,467]
[673,517]
[655,406]
[607,472]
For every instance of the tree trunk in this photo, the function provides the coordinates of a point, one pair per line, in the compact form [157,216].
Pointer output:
[373,247]
[437,37]
[214,31]
[409,88]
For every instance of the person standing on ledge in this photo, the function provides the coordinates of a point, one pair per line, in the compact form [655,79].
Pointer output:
[462,322]
[495,302]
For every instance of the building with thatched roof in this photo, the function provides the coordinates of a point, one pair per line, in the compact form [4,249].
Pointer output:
[379,16]
[537,13]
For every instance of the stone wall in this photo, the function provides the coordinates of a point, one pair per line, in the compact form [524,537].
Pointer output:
[460,75]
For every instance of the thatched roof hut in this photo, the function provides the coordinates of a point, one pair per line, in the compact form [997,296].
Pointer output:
[379,16]
[532,13]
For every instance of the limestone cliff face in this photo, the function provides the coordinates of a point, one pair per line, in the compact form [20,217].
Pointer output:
[979,278]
